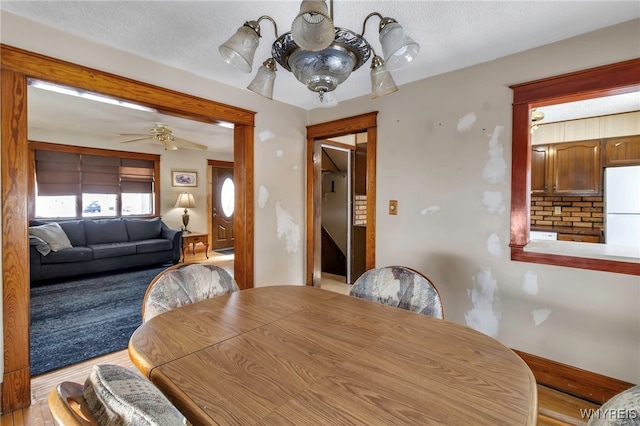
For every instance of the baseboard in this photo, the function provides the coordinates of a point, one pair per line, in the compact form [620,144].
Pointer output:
[572,380]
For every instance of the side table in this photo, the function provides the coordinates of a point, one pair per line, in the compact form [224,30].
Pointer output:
[193,238]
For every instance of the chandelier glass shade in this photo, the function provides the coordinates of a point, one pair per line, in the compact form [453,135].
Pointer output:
[320,55]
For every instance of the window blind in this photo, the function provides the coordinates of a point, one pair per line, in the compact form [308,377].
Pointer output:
[57,173]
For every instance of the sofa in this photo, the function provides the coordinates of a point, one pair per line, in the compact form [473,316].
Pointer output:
[76,247]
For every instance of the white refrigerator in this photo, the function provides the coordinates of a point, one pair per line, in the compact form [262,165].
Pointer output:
[622,206]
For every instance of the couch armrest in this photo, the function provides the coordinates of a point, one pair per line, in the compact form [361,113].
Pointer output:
[175,235]
[34,263]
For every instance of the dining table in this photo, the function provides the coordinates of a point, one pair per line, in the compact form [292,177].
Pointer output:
[301,355]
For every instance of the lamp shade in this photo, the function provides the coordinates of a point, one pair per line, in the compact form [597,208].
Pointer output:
[240,49]
[313,29]
[186,200]
[381,81]
[398,49]
[262,84]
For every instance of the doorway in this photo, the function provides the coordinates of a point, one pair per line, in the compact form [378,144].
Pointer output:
[222,207]
[17,67]
[317,135]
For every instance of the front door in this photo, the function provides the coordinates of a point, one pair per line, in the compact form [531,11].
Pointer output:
[222,206]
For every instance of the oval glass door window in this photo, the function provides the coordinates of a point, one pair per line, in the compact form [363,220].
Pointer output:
[227,197]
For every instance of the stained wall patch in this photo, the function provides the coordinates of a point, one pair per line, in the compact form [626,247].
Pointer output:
[430,210]
[493,202]
[263,196]
[279,153]
[287,229]
[465,123]
[540,316]
[494,246]
[487,311]
[495,168]
[265,135]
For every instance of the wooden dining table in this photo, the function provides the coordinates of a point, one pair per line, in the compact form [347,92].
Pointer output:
[297,355]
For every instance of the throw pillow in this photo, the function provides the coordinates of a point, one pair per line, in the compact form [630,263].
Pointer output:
[116,395]
[52,234]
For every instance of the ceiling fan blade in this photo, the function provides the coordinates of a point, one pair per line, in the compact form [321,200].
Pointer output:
[187,143]
[133,134]
[138,139]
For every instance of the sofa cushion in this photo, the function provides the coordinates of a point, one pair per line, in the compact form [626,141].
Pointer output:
[52,234]
[75,231]
[116,395]
[150,246]
[73,254]
[143,229]
[105,231]
[100,251]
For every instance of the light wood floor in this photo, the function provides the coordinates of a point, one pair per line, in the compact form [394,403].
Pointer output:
[555,408]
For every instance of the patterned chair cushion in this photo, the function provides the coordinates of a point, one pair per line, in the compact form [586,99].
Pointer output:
[400,287]
[185,285]
[621,410]
[116,395]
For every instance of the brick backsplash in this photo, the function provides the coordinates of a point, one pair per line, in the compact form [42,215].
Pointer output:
[579,212]
[360,211]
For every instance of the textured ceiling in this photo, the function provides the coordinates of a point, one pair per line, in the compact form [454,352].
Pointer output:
[186,35]
[452,34]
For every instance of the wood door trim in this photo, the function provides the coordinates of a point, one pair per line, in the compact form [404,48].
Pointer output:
[572,380]
[220,163]
[316,136]
[17,67]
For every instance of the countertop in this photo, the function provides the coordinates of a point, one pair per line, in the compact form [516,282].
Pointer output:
[567,230]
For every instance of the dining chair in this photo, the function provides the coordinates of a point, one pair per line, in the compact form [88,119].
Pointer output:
[183,284]
[621,410]
[112,395]
[401,287]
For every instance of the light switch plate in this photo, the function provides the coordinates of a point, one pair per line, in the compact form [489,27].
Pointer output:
[393,207]
[557,210]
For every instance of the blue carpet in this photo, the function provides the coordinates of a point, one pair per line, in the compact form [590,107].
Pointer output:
[85,317]
[225,251]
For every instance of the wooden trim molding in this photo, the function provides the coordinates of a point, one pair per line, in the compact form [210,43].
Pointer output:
[17,67]
[315,136]
[572,380]
[622,77]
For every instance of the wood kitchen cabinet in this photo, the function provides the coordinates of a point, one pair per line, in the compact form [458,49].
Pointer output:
[571,168]
[622,151]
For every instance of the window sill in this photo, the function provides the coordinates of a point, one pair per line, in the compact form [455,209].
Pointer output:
[584,250]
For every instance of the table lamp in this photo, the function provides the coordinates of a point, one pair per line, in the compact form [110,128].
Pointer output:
[186,200]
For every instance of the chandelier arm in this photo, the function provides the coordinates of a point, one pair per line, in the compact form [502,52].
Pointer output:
[364,24]
[275,26]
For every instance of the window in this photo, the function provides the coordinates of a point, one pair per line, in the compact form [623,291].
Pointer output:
[75,182]
[623,77]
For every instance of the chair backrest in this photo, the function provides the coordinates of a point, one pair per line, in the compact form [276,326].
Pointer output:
[401,287]
[112,395]
[183,284]
[621,410]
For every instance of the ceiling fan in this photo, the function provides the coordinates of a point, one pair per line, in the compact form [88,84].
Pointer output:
[163,134]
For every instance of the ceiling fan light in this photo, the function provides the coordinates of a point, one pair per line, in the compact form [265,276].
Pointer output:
[313,28]
[169,145]
[262,84]
[240,49]
[398,49]
[381,80]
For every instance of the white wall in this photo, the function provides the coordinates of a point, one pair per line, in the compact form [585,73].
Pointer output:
[436,138]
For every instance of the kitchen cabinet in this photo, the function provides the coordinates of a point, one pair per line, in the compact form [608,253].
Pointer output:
[571,168]
[622,151]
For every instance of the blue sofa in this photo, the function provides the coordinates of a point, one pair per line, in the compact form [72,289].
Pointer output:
[102,245]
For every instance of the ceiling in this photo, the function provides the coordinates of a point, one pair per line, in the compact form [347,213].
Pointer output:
[186,35]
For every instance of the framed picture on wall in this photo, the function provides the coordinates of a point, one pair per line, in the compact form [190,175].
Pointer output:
[184,179]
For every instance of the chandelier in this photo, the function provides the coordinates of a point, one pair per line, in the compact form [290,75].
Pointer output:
[320,55]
